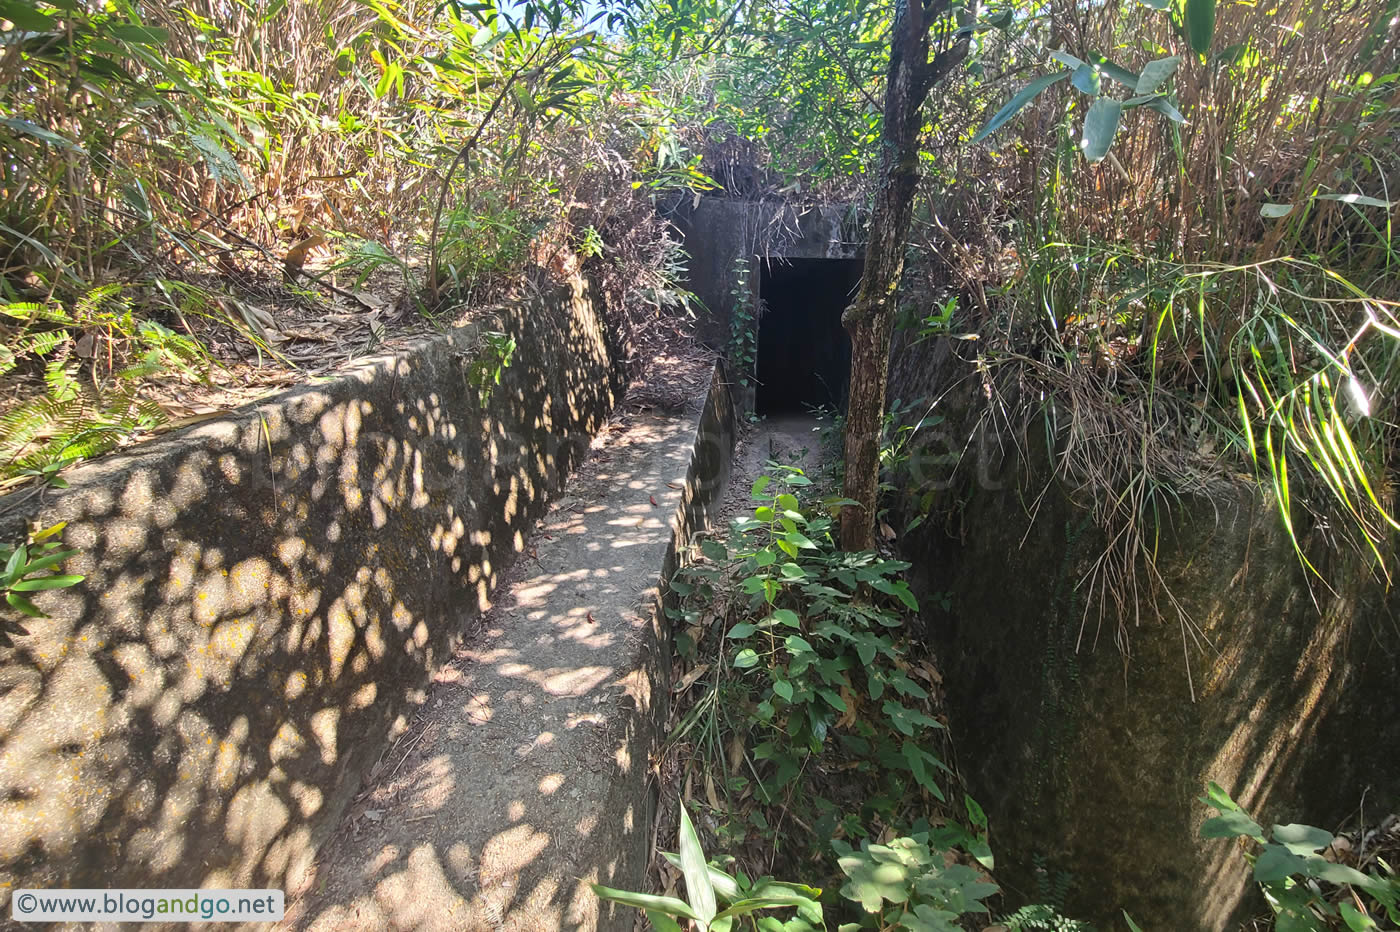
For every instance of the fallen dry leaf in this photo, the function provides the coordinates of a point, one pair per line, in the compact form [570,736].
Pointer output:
[653,500]
[296,256]
[689,679]
[736,753]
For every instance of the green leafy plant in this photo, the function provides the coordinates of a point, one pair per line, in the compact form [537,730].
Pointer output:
[1307,891]
[32,567]
[491,361]
[716,900]
[809,661]
[907,884]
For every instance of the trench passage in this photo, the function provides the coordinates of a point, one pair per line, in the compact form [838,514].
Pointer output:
[804,354]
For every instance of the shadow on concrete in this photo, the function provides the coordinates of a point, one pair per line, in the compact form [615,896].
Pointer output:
[265,600]
[527,774]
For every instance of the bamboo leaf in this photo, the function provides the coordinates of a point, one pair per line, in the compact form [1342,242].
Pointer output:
[1115,71]
[1100,125]
[1086,80]
[1155,74]
[1200,24]
[1359,199]
[46,582]
[1018,102]
[34,130]
[647,901]
[24,605]
[697,873]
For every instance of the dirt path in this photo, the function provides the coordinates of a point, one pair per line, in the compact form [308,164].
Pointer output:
[525,778]
[793,440]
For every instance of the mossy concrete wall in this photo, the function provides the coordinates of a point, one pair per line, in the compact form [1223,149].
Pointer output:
[266,597]
[1088,735]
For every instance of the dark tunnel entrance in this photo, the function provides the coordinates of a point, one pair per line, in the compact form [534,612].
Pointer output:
[804,354]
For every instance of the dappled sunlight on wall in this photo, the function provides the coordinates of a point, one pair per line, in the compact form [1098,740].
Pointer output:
[526,777]
[265,599]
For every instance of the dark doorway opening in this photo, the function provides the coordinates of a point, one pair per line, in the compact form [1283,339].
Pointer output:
[804,354]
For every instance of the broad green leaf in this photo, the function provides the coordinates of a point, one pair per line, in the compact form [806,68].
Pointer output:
[1219,799]
[899,589]
[144,35]
[745,659]
[925,918]
[792,571]
[1301,839]
[759,485]
[1275,863]
[725,886]
[698,887]
[783,616]
[774,895]
[1155,74]
[1100,125]
[872,883]
[783,689]
[647,901]
[1232,824]
[1200,24]
[1275,211]
[1340,874]
[1018,102]
[1355,920]
[18,559]
[918,761]
[797,644]
[742,630]
[19,602]
[1132,926]
[1066,59]
[1086,80]
[661,922]
[975,813]
[806,899]
[956,887]
[906,719]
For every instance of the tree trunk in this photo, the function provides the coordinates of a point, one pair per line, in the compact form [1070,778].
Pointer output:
[870,319]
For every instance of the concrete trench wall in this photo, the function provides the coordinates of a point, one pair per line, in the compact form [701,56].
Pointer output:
[1093,756]
[266,597]
[720,233]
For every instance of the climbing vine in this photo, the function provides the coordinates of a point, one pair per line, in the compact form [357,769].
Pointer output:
[743,326]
